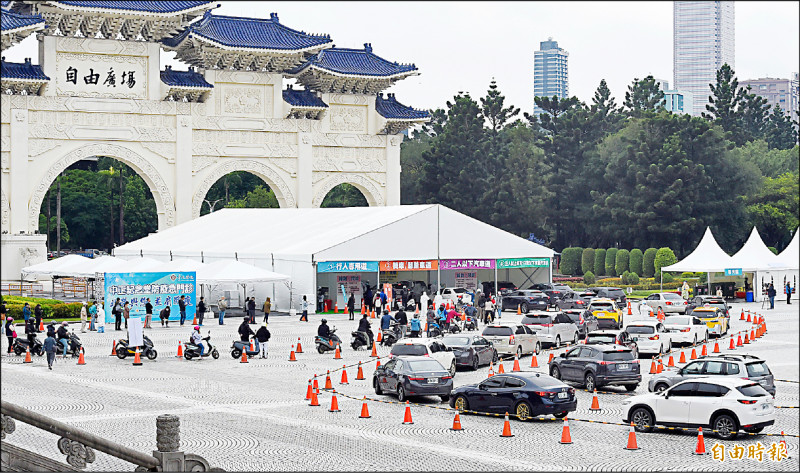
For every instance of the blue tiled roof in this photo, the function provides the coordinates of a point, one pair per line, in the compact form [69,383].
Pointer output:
[390,108]
[361,62]
[188,78]
[302,98]
[253,33]
[11,21]
[25,70]
[137,6]
[5,3]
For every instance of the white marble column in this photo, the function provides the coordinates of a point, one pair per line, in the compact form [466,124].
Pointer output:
[19,193]
[305,168]
[393,169]
[183,170]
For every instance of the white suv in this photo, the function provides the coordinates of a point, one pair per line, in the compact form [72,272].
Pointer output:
[650,336]
[553,328]
[725,405]
[509,339]
[456,295]
[432,347]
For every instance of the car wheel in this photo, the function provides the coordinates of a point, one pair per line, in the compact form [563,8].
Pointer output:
[461,403]
[495,357]
[538,348]
[631,387]
[377,386]
[558,341]
[560,415]
[475,363]
[524,307]
[401,393]
[453,368]
[725,426]
[575,338]
[523,411]
[555,372]
[660,387]
[588,382]
[754,430]
[642,419]
[519,351]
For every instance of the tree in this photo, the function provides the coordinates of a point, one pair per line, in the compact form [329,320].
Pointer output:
[611,259]
[644,96]
[774,209]
[664,257]
[587,260]
[261,198]
[781,133]
[343,195]
[771,162]
[571,261]
[412,163]
[140,209]
[635,261]
[753,112]
[648,263]
[493,110]
[724,103]
[621,261]
[43,224]
[600,262]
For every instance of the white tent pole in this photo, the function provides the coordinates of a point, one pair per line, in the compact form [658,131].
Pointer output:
[708,282]
[496,295]
[661,284]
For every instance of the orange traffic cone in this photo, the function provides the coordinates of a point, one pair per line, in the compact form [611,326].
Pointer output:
[309,391]
[41,325]
[748,317]
[741,317]
[516,364]
[137,360]
[632,439]
[739,341]
[28,356]
[244,356]
[337,354]
[653,367]
[682,358]
[180,350]
[701,444]
[716,347]
[316,384]
[360,373]
[752,335]
[456,423]
[299,348]
[660,366]
[416,311]
[314,399]
[733,345]
[334,404]
[746,340]
[704,351]
[336,308]
[670,362]
[407,418]
[194,321]
[550,360]
[364,410]
[519,310]
[81,361]
[500,368]
[252,348]
[377,364]
[374,350]
[113,348]
[595,402]
[694,355]
[565,436]
[629,308]
[291,355]
[363,307]
[491,369]
[506,428]
[380,337]
[328,384]
[534,362]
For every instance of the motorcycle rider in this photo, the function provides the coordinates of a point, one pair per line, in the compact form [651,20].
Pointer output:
[416,326]
[244,330]
[431,319]
[323,331]
[386,320]
[451,316]
[51,329]
[197,339]
[364,326]
[63,336]
[402,321]
[30,330]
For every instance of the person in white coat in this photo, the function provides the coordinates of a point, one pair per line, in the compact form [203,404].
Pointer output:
[423,302]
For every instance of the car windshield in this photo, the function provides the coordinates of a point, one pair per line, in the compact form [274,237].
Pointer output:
[410,349]
[621,355]
[497,331]
[642,329]
[753,390]
[602,306]
[671,296]
[536,319]
[456,341]
[459,290]
[544,382]
[425,365]
[601,338]
[615,293]
[678,320]
[758,368]
[705,314]
[573,316]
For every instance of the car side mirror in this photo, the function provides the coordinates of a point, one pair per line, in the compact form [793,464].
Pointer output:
[563,355]
[665,394]
[482,387]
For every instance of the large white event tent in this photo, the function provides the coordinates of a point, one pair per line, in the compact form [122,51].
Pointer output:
[293,241]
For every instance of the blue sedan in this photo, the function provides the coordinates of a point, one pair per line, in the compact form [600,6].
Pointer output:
[524,394]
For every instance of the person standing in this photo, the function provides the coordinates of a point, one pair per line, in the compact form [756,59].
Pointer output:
[262,337]
[430,320]
[685,290]
[402,321]
[424,300]
[788,293]
[351,306]
[378,303]
[148,313]
[30,331]
[368,298]
[127,313]
[488,310]
[93,316]
[182,309]
[771,292]
[84,316]
[222,306]
[304,307]
[251,309]
[10,333]
[116,310]
[39,313]
[50,349]
[719,291]
[267,308]
[100,317]
[26,312]
[201,311]
[320,300]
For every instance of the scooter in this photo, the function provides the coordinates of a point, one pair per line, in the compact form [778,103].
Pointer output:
[73,347]
[434,330]
[360,339]
[454,326]
[391,335]
[327,344]
[471,323]
[191,350]
[239,346]
[123,350]
[20,346]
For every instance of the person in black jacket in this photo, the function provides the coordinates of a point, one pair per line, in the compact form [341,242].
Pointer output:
[323,331]
[251,310]
[30,330]
[364,326]
[164,316]
[262,337]
[148,314]
[245,331]
[182,309]
[402,321]
[351,306]
[62,335]
[771,292]
[39,313]
[116,309]
[51,329]
[201,311]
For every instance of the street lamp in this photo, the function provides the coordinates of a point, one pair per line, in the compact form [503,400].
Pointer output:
[211,205]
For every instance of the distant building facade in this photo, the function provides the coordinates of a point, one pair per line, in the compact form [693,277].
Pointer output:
[781,92]
[703,40]
[550,72]
[678,101]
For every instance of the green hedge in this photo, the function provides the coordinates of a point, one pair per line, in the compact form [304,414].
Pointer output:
[600,262]
[635,261]
[588,277]
[611,260]
[587,260]
[51,308]
[571,260]
[664,257]
[648,268]
[621,262]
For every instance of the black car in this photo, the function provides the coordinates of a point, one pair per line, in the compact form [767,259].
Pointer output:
[413,376]
[554,291]
[598,365]
[526,300]
[713,301]
[615,293]
[502,286]
[471,350]
[612,337]
[524,394]
[586,296]
[589,324]
[573,300]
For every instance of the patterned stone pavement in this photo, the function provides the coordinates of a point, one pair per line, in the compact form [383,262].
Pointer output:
[254,416]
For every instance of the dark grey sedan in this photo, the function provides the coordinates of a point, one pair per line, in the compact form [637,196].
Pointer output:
[589,324]
[470,350]
[413,376]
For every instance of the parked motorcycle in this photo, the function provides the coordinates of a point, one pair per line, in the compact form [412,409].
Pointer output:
[328,344]
[434,330]
[124,350]
[191,350]
[360,339]
[239,346]
[21,345]
[73,346]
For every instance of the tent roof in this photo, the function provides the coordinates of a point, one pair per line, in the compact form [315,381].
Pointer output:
[142,265]
[231,271]
[58,266]
[707,257]
[790,256]
[178,266]
[337,234]
[755,255]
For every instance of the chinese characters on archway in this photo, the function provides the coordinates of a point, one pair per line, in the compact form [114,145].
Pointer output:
[92,77]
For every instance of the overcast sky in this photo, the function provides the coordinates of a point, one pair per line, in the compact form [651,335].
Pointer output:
[460,46]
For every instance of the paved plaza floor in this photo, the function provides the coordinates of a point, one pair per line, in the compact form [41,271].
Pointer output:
[254,416]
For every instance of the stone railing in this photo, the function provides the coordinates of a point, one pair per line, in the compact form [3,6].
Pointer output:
[79,445]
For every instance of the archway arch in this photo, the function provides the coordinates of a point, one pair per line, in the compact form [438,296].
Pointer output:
[165,204]
[262,170]
[366,186]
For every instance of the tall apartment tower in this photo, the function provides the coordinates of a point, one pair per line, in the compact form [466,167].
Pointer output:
[550,75]
[703,40]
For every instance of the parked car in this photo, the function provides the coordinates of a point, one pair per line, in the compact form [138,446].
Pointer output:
[431,347]
[613,337]
[470,350]
[606,312]
[413,376]
[714,318]
[583,319]
[502,286]
[741,366]
[614,293]
[668,302]
[456,295]
[686,329]
[509,339]
[573,300]
[554,291]
[552,328]
[526,395]
[525,299]
[704,301]
[587,296]
[724,404]
[598,365]
[650,336]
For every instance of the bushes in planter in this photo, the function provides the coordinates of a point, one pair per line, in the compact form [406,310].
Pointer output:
[588,277]
[648,268]
[635,261]
[611,260]
[587,260]
[600,262]
[621,262]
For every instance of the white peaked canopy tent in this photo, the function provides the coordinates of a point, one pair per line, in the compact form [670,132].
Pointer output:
[707,257]
[754,255]
[789,262]
[232,271]
[790,256]
[291,241]
[63,266]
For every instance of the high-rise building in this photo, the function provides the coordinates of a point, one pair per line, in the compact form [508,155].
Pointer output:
[550,75]
[703,40]
[678,101]
[781,92]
